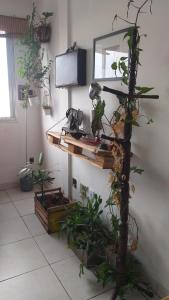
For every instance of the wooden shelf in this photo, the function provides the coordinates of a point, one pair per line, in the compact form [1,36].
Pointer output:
[101,159]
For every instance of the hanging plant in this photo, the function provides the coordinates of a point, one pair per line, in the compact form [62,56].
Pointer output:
[31,67]
[43,30]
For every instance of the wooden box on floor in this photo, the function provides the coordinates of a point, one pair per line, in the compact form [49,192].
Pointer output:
[51,216]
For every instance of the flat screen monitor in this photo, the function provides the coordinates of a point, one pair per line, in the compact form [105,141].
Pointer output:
[70,68]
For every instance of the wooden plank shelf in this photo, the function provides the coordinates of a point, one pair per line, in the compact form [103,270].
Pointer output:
[101,159]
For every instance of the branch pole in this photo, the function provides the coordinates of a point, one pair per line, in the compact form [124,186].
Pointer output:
[121,262]
[135,96]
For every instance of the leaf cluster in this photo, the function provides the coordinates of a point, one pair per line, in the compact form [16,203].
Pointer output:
[30,63]
[42,177]
[84,227]
[107,274]
[99,109]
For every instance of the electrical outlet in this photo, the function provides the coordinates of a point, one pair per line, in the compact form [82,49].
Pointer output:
[74,183]
[31,160]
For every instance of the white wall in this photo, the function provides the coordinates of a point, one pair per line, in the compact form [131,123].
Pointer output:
[150,205]
[12,133]
[56,160]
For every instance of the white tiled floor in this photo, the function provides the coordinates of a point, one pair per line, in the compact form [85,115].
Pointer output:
[37,266]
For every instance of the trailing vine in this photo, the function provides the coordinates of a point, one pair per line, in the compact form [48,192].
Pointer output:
[124,118]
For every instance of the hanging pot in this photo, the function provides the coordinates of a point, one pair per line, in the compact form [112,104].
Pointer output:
[43,33]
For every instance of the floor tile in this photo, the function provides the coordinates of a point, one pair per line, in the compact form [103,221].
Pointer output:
[25,207]
[34,225]
[19,257]
[78,288]
[4,197]
[7,211]
[16,194]
[53,247]
[13,230]
[37,285]
[131,296]
[104,296]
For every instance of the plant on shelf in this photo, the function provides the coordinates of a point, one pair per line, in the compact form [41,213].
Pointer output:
[98,113]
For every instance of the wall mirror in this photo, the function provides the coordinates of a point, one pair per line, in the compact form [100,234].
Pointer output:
[106,50]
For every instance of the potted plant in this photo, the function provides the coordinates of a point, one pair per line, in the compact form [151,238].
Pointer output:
[26,178]
[51,206]
[43,30]
[86,233]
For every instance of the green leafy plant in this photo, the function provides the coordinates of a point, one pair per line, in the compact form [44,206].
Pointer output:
[44,19]
[83,223]
[107,274]
[85,230]
[42,177]
[99,108]
[30,63]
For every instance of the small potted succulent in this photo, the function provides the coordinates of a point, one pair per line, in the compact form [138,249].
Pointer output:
[43,30]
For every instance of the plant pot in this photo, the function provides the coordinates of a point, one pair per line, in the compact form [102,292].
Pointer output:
[26,183]
[89,260]
[52,213]
[43,33]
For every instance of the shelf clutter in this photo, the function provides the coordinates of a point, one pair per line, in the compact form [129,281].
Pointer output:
[102,159]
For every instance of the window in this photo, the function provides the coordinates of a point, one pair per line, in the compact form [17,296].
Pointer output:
[7,77]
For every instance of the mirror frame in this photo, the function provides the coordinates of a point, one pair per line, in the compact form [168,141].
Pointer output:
[94,48]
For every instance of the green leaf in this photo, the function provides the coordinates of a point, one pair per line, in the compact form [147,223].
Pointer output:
[117,116]
[41,158]
[114,66]
[137,170]
[81,270]
[143,89]
[123,58]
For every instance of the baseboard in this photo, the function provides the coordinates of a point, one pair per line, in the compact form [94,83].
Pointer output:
[157,287]
[8,185]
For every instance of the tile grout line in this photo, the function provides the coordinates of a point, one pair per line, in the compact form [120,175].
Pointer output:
[101,293]
[61,283]
[33,238]
[27,272]
[50,265]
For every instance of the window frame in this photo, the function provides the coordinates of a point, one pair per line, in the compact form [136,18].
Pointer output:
[11,78]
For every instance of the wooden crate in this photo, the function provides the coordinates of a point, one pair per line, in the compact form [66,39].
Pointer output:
[51,217]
